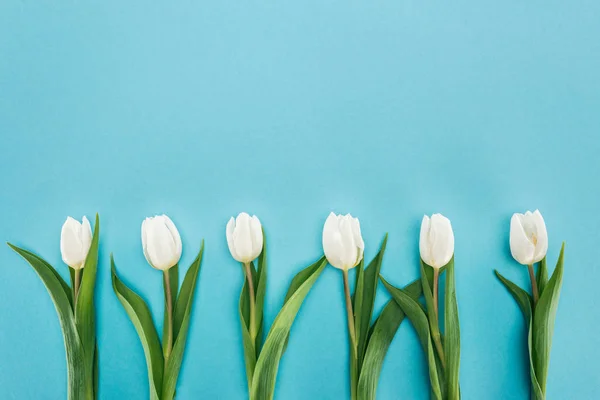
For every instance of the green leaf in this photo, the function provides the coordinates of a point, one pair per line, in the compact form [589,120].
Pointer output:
[522,298]
[298,281]
[60,294]
[85,313]
[434,324]
[542,276]
[357,301]
[174,286]
[250,350]
[265,374]
[140,316]
[543,321]
[415,313]
[524,301]
[182,319]
[261,289]
[452,335]
[369,292]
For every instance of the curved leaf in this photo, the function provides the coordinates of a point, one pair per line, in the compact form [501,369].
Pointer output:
[250,350]
[369,292]
[382,334]
[297,281]
[174,287]
[60,292]
[414,311]
[85,313]
[261,289]
[452,335]
[181,320]
[265,374]
[524,301]
[140,316]
[542,276]
[543,321]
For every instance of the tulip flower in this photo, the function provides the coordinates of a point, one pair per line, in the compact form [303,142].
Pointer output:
[342,242]
[161,242]
[75,241]
[245,241]
[244,237]
[344,247]
[437,241]
[529,242]
[162,248]
[436,246]
[528,237]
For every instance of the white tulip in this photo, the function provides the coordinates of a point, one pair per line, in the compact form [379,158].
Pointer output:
[75,242]
[161,242]
[437,240]
[528,237]
[342,242]
[244,237]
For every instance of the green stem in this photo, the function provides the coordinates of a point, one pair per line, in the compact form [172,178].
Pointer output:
[352,334]
[168,340]
[534,287]
[248,272]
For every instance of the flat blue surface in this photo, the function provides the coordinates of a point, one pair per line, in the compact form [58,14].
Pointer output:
[289,110]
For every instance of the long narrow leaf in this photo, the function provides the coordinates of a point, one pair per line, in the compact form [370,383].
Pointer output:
[261,289]
[60,297]
[543,321]
[182,312]
[250,350]
[542,276]
[434,324]
[184,297]
[140,316]
[85,313]
[297,281]
[265,374]
[173,286]
[524,301]
[415,313]
[380,337]
[452,335]
[357,300]
[371,279]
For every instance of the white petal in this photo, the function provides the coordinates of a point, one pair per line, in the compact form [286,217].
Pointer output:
[358,239]
[145,224]
[70,243]
[257,236]
[541,247]
[350,250]
[242,238]
[442,245]
[175,235]
[521,247]
[86,236]
[229,233]
[424,245]
[161,247]
[332,241]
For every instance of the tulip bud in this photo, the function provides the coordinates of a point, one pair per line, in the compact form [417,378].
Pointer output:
[161,242]
[75,242]
[437,241]
[244,237]
[342,242]
[528,237]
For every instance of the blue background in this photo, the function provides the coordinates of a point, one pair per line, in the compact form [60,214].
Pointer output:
[291,109]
